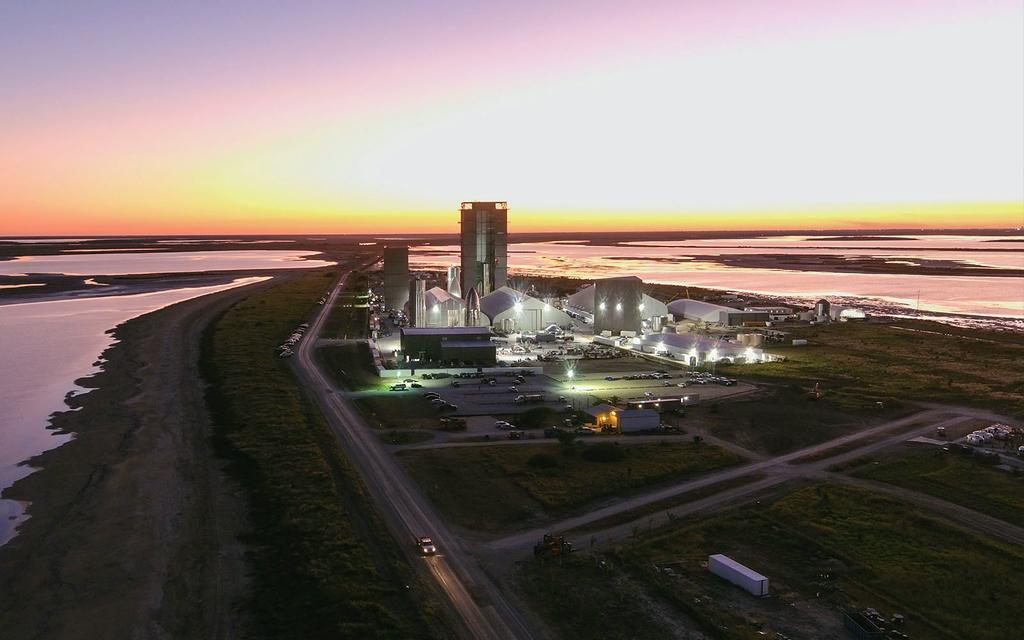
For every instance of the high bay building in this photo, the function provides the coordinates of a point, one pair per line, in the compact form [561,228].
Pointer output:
[617,304]
[484,246]
[396,276]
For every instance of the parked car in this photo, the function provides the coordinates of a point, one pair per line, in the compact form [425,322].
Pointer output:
[586,431]
[399,387]
[415,385]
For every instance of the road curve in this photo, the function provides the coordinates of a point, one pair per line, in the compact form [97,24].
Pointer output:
[481,607]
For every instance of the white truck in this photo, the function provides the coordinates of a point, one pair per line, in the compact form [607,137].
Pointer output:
[529,397]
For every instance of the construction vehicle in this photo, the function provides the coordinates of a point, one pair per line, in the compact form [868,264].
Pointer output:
[552,546]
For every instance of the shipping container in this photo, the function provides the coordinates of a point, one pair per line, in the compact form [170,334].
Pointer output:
[741,576]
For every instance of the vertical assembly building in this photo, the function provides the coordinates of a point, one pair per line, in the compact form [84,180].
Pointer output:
[484,246]
[618,304]
[396,276]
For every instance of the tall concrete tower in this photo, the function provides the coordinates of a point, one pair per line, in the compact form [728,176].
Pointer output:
[396,276]
[484,246]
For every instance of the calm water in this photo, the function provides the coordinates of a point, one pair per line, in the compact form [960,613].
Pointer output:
[684,263]
[45,346]
[79,263]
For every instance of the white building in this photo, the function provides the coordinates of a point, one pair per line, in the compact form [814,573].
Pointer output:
[509,310]
[693,349]
[442,309]
[700,311]
[775,314]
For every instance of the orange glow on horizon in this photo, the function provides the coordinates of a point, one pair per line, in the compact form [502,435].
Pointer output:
[274,221]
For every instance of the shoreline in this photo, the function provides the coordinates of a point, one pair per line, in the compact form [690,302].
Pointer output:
[140,470]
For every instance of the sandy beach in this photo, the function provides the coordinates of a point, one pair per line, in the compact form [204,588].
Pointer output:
[133,527]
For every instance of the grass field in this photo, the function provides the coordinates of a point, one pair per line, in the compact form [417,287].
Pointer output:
[321,561]
[781,419]
[350,366]
[349,317]
[907,360]
[956,477]
[399,411]
[825,549]
[497,488]
[874,550]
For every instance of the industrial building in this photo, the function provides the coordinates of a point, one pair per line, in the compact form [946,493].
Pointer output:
[650,309]
[693,349]
[440,346]
[396,276]
[484,246]
[618,302]
[443,309]
[508,310]
[709,313]
[775,314]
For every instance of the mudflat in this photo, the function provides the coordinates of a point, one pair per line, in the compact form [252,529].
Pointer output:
[134,526]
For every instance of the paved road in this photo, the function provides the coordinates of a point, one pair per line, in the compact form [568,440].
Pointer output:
[781,469]
[481,607]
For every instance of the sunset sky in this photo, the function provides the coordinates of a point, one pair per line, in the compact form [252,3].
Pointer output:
[332,117]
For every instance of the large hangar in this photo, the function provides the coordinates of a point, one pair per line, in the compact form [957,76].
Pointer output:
[509,310]
[700,311]
[614,294]
[443,309]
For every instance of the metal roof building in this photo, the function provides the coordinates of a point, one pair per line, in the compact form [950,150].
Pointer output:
[701,311]
[695,349]
[439,346]
[442,309]
[584,300]
[509,310]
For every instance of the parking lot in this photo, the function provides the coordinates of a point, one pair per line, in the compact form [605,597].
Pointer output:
[475,396]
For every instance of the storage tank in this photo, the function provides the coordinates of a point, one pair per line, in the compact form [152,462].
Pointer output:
[744,577]
[822,308]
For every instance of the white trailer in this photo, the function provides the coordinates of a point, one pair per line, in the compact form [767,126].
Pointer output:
[747,579]
[631,420]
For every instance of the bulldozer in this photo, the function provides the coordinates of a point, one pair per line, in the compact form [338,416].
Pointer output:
[552,546]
